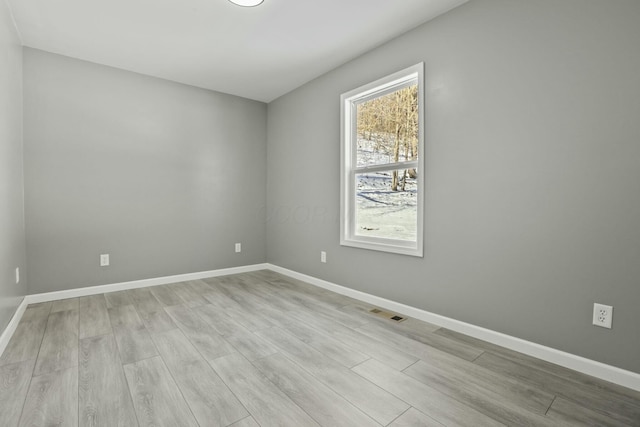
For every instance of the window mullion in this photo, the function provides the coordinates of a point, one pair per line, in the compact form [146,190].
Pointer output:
[387,167]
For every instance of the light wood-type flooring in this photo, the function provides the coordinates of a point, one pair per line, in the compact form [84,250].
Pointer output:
[261,349]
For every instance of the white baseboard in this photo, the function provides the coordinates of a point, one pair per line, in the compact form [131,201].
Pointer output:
[11,327]
[135,284]
[577,363]
[590,367]
[93,290]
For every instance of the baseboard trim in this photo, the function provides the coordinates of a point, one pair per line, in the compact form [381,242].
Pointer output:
[135,284]
[577,363]
[93,290]
[12,326]
[590,367]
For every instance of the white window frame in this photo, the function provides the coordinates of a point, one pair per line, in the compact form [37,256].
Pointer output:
[349,169]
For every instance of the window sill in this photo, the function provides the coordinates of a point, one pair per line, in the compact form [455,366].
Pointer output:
[397,246]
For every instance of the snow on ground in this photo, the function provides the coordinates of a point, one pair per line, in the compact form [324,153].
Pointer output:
[380,211]
[375,152]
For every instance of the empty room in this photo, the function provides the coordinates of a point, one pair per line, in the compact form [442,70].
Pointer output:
[319,213]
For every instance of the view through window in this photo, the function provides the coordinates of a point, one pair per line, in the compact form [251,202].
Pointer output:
[382,149]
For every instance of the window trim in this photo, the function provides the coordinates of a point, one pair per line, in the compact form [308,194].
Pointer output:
[348,128]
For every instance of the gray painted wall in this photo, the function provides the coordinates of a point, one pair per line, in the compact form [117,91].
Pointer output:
[164,177]
[12,240]
[532,180]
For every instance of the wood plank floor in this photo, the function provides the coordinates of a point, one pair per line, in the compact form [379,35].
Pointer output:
[261,349]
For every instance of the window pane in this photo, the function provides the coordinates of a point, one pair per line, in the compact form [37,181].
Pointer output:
[386,205]
[381,152]
[387,128]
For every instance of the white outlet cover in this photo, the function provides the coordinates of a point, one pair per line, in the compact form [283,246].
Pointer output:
[17,275]
[104,260]
[602,315]
[238,247]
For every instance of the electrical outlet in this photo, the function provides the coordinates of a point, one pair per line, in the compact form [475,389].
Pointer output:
[238,247]
[104,260]
[17,275]
[602,315]
[323,256]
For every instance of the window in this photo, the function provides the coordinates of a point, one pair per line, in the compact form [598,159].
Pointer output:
[382,165]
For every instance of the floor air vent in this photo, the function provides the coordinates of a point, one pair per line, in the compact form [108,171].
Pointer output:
[387,315]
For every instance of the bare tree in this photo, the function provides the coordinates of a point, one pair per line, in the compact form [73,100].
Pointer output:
[390,124]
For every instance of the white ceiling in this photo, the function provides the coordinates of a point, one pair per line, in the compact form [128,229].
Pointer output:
[259,53]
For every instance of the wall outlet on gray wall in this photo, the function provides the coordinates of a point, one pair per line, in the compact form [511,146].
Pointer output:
[17,275]
[323,256]
[602,315]
[238,247]
[104,260]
